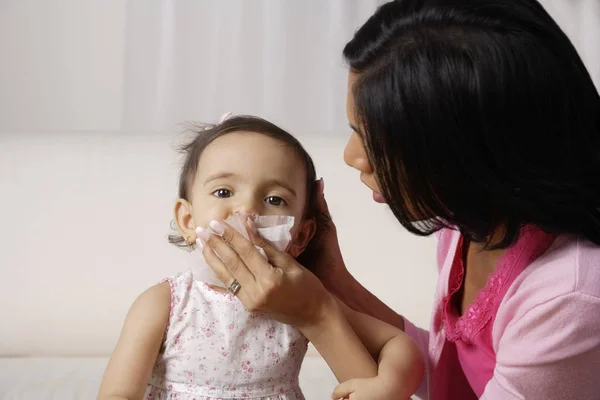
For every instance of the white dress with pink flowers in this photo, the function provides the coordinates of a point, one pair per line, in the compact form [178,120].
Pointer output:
[214,350]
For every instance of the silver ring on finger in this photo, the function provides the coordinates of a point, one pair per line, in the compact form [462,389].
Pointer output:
[234,287]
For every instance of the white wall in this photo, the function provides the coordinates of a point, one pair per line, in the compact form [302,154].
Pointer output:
[62,64]
[148,64]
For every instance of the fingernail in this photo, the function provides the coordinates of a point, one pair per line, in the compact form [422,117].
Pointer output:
[321,186]
[199,243]
[217,227]
[203,234]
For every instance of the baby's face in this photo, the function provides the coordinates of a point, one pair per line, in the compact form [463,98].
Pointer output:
[248,173]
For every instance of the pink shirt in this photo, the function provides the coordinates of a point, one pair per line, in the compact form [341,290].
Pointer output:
[539,337]
[472,332]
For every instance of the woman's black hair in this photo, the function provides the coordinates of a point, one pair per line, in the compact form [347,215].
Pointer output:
[478,115]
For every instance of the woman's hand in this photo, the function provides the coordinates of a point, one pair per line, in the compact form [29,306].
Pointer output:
[329,266]
[280,288]
[286,291]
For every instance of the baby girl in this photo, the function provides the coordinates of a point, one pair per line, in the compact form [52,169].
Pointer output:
[189,339]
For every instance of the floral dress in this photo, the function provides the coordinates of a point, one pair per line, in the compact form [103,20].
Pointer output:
[214,349]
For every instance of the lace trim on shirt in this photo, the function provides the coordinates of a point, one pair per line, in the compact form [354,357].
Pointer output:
[479,313]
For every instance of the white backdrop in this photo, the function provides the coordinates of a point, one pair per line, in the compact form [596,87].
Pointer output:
[149,64]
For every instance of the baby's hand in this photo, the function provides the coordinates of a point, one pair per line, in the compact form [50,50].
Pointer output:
[377,388]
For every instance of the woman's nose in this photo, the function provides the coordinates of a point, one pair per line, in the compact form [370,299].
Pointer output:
[355,154]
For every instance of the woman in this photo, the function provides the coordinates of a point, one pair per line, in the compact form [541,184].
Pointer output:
[475,120]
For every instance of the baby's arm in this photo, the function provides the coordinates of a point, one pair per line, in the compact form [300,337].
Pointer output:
[131,363]
[401,364]
[341,347]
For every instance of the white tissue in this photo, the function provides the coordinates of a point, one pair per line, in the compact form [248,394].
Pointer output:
[275,228]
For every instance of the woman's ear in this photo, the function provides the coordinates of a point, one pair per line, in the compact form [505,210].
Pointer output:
[185,220]
[306,233]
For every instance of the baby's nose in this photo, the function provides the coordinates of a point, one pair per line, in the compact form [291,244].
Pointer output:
[248,208]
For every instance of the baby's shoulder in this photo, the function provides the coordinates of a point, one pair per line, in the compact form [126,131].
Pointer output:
[181,281]
[150,311]
[182,290]
[157,297]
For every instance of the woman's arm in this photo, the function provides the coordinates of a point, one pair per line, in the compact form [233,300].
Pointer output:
[130,365]
[346,288]
[548,351]
[330,268]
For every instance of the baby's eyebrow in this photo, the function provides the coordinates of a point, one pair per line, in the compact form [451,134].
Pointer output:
[276,182]
[222,175]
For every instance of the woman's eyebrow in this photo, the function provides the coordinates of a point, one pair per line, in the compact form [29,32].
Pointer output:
[355,129]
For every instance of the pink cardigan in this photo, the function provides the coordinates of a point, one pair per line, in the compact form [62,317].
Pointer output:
[546,333]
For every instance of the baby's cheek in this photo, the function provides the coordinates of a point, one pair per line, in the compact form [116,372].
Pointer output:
[202,217]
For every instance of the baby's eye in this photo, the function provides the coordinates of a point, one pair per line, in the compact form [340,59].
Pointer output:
[222,193]
[275,201]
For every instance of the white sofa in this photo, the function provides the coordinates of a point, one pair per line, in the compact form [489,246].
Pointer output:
[85,229]
[78,378]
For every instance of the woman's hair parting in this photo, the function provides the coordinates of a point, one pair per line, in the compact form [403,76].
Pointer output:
[205,134]
[478,115]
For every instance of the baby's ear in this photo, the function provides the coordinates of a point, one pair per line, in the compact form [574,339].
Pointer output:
[185,220]
[305,234]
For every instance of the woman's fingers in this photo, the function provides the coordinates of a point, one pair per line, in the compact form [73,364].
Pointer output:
[217,265]
[247,257]
[228,252]
[224,275]
[278,259]
[224,260]
[320,198]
